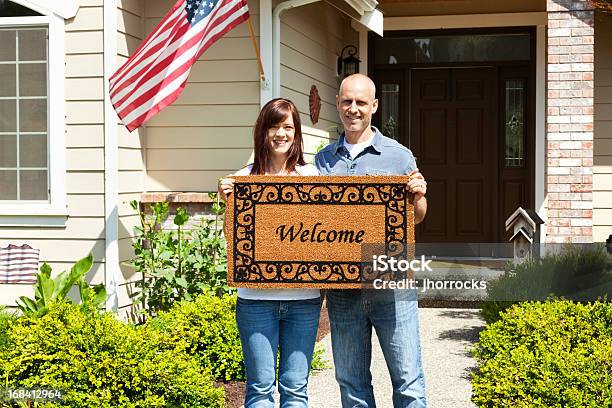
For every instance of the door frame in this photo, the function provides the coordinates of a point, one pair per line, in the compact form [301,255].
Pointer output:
[537,20]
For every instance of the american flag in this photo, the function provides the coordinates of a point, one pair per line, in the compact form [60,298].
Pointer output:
[18,264]
[156,73]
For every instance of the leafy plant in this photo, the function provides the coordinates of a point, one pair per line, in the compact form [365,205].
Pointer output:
[546,354]
[6,319]
[207,326]
[577,272]
[319,362]
[48,290]
[178,264]
[102,362]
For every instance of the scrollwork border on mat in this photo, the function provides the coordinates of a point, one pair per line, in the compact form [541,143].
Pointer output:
[393,196]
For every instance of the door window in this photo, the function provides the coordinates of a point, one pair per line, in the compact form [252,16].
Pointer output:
[452,48]
[514,123]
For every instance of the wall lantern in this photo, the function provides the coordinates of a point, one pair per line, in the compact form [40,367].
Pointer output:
[350,64]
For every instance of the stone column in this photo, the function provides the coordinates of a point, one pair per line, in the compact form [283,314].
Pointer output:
[569,135]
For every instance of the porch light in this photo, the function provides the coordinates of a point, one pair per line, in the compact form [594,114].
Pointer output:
[350,64]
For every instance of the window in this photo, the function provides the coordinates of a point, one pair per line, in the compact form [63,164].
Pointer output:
[452,48]
[32,119]
[23,114]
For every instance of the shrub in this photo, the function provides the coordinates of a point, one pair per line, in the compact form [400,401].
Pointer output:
[546,354]
[6,319]
[577,272]
[208,326]
[101,362]
[178,264]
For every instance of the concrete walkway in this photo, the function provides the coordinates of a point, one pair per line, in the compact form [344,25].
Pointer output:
[446,337]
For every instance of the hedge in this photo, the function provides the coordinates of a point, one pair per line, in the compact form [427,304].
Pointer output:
[101,362]
[207,326]
[546,354]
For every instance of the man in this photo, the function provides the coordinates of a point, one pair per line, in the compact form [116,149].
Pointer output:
[362,149]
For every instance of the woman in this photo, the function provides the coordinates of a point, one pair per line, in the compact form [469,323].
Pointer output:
[277,319]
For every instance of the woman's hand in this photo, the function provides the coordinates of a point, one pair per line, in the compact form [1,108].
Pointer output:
[226,187]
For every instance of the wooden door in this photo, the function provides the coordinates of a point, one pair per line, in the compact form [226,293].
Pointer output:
[454,136]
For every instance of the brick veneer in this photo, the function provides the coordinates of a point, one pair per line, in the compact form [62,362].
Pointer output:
[569,135]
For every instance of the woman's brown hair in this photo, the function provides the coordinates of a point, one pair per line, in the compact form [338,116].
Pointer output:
[273,113]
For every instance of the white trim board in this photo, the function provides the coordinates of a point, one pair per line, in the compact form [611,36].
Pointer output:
[466,21]
[111,161]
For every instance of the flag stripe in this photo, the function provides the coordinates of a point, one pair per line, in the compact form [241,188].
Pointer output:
[158,64]
[158,34]
[18,264]
[133,120]
[156,74]
[155,53]
[144,98]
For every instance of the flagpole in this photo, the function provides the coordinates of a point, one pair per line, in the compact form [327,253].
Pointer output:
[254,41]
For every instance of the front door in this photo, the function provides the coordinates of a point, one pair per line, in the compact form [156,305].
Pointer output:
[453,135]
[464,105]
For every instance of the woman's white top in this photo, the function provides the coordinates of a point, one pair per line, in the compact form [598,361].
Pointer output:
[280,294]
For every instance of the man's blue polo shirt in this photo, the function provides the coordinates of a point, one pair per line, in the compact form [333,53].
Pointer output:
[383,156]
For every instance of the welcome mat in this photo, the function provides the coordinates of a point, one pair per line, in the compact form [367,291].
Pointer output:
[314,232]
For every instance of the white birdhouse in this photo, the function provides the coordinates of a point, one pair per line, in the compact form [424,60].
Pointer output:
[525,226]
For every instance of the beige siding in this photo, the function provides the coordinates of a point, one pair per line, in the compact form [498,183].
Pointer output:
[602,149]
[311,39]
[206,133]
[84,230]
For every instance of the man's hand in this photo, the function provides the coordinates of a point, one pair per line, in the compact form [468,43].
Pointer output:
[418,186]
[226,187]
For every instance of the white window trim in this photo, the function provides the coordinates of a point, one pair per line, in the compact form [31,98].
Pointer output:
[54,212]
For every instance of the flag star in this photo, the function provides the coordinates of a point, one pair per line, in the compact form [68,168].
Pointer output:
[210,4]
[189,6]
[202,12]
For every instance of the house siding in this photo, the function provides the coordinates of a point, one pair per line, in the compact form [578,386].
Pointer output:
[206,133]
[84,230]
[602,158]
[312,37]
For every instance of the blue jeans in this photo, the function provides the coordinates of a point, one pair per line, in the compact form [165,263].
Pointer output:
[265,326]
[394,316]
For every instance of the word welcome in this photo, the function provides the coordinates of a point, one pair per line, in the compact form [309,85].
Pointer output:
[317,234]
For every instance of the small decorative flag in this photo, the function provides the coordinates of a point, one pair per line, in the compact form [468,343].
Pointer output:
[155,74]
[18,264]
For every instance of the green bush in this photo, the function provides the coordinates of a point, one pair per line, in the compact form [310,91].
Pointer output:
[6,319]
[101,362]
[577,273]
[208,326]
[546,354]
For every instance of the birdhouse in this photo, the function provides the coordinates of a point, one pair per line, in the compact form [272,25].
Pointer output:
[525,227]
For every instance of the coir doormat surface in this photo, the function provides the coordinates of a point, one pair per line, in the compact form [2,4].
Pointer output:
[314,232]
